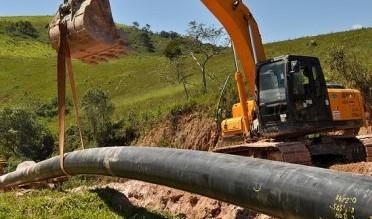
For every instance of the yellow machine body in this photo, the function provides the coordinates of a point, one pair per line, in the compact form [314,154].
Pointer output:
[346,104]
[234,126]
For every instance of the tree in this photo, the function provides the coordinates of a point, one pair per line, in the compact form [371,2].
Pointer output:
[22,136]
[348,68]
[98,110]
[171,34]
[173,52]
[203,46]
[147,42]
[22,28]
[147,28]
[136,24]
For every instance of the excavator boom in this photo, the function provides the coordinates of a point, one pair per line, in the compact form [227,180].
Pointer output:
[244,32]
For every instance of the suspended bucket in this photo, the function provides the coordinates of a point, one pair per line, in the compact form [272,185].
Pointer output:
[92,34]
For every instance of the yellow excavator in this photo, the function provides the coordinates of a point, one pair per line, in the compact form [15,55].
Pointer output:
[294,115]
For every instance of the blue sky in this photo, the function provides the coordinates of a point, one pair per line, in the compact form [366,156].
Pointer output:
[278,19]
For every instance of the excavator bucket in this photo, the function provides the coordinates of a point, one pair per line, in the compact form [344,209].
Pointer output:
[92,34]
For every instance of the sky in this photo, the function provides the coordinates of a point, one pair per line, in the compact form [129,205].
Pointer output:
[278,19]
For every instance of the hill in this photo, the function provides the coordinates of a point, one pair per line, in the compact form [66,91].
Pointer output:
[139,82]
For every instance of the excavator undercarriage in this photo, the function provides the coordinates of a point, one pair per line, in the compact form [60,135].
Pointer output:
[320,151]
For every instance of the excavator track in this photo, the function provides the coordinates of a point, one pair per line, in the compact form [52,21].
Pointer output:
[290,152]
[367,142]
[319,151]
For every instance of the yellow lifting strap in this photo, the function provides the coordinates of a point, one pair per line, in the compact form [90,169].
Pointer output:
[64,59]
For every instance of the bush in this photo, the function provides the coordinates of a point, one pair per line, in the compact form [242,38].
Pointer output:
[171,34]
[22,136]
[179,110]
[173,50]
[146,41]
[12,164]
[98,110]
[122,133]
[50,109]
[72,138]
[22,28]
[348,69]
[313,43]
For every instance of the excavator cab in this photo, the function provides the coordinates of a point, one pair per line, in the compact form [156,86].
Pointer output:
[292,97]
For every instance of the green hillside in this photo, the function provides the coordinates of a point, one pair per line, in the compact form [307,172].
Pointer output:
[137,82]
[142,84]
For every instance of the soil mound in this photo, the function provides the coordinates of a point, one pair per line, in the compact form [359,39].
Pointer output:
[364,169]
[193,131]
[178,203]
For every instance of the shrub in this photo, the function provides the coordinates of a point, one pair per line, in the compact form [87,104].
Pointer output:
[146,41]
[348,69]
[171,34]
[50,109]
[313,43]
[179,110]
[173,50]
[98,110]
[22,136]
[22,28]
[12,164]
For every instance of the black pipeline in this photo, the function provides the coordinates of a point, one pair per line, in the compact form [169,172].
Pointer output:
[278,189]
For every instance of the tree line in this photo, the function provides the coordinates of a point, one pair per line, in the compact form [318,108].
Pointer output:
[23,136]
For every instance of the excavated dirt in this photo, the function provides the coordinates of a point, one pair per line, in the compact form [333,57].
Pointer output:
[171,201]
[186,205]
[364,169]
[365,131]
[193,131]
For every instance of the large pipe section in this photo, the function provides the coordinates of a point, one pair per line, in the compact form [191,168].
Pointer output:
[274,188]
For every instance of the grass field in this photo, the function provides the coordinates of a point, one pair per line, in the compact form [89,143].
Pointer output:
[101,203]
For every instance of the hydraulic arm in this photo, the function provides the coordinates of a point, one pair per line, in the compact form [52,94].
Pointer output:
[247,44]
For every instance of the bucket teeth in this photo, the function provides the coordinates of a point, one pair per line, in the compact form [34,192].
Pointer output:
[92,34]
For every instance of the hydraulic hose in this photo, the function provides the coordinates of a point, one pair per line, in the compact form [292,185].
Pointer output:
[274,188]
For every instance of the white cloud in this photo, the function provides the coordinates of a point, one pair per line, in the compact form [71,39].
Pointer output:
[357,27]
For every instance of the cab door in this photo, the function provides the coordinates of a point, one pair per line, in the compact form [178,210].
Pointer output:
[307,91]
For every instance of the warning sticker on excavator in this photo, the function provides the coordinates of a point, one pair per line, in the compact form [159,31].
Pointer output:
[336,115]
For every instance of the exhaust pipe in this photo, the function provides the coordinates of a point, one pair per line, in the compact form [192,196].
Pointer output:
[274,188]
